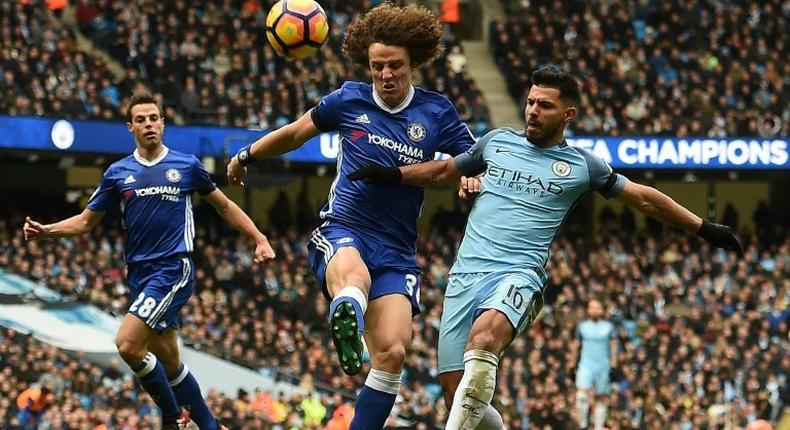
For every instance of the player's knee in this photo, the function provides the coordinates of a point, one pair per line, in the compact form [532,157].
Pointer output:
[484,340]
[131,352]
[390,358]
[582,398]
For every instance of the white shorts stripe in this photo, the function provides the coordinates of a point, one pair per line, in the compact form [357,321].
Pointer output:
[165,303]
[322,244]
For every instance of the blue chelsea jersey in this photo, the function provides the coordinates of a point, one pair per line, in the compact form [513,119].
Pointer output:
[373,133]
[155,202]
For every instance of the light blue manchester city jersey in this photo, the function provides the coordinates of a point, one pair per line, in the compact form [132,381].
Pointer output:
[527,193]
[595,337]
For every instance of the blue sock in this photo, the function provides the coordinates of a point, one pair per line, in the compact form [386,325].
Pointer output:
[356,297]
[187,392]
[154,380]
[375,400]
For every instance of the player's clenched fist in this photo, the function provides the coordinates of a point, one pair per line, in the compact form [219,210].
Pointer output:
[469,188]
[34,230]
[236,172]
[263,250]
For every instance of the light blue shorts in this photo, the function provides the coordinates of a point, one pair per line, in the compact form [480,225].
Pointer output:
[599,378]
[517,294]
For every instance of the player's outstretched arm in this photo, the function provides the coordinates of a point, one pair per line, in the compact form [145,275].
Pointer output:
[78,224]
[232,213]
[278,142]
[658,205]
[431,173]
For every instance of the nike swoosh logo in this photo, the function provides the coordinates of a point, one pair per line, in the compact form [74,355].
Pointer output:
[506,151]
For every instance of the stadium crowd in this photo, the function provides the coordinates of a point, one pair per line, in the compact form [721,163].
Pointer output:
[208,62]
[685,68]
[702,335]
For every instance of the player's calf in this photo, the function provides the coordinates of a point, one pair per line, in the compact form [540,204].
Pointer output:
[475,391]
[375,400]
[187,392]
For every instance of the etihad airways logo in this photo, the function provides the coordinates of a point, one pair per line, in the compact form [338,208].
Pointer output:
[515,180]
[406,153]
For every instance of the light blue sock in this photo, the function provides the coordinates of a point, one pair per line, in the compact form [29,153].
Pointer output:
[187,392]
[375,400]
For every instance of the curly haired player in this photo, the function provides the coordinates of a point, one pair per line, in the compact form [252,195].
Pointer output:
[363,253]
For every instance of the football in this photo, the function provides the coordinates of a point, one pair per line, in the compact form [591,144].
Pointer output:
[296,29]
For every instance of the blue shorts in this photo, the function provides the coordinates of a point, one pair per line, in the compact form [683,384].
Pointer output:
[391,271]
[160,289]
[517,294]
[588,377]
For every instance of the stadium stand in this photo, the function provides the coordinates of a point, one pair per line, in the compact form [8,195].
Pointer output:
[702,337]
[44,72]
[208,62]
[682,68]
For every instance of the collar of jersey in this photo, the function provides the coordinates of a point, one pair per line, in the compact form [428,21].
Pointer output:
[403,105]
[153,162]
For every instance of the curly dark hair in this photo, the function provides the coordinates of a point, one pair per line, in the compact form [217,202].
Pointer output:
[413,27]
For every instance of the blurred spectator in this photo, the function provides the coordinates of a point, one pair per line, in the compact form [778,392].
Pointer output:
[654,68]
[43,70]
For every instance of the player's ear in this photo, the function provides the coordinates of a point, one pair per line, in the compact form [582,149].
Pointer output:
[570,113]
[129,127]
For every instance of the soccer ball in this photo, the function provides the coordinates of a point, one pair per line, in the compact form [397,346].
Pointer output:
[296,28]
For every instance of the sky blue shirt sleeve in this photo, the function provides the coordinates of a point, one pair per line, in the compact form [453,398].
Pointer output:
[455,135]
[602,178]
[326,116]
[203,183]
[106,197]
[472,162]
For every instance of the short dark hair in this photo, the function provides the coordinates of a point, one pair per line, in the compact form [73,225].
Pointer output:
[413,27]
[552,77]
[141,98]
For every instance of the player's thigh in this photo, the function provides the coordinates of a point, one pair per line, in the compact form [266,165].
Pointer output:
[160,290]
[457,316]
[346,267]
[517,296]
[337,258]
[133,337]
[165,346]
[388,331]
[492,331]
